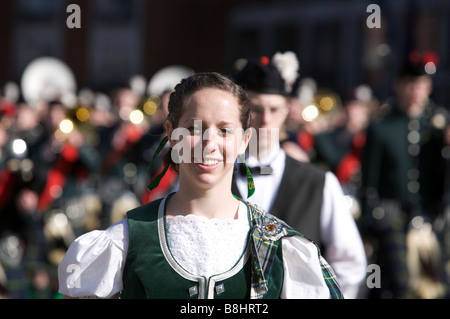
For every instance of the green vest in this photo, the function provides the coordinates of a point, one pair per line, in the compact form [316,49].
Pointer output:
[152,272]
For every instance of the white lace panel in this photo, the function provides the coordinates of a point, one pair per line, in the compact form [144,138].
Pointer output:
[207,247]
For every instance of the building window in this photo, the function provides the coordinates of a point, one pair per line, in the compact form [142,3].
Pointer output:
[114,10]
[38,9]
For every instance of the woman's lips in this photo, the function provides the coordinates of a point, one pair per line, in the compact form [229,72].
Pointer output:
[209,164]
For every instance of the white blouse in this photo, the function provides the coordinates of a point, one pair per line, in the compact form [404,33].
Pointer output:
[93,264]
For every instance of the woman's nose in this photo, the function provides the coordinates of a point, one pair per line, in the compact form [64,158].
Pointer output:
[209,141]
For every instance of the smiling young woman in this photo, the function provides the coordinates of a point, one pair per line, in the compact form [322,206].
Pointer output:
[201,241]
[220,137]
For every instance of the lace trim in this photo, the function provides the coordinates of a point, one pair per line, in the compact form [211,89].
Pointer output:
[206,247]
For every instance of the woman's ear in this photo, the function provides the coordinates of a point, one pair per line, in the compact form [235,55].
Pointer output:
[245,140]
[169,128]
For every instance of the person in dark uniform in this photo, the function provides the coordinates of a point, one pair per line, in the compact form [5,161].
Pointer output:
[402,170]
[307,198]
[341,148]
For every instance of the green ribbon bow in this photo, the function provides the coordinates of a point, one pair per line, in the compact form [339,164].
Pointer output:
[157,179]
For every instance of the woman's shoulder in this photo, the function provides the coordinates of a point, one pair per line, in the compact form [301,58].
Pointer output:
[92,261]
[147,211]
[116,234]
[300,256]
[94,244]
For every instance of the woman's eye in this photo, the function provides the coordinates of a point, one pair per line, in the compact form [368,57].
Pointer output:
[225,131]
[194,129]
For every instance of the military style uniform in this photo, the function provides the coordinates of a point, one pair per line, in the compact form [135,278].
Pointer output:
[402,178]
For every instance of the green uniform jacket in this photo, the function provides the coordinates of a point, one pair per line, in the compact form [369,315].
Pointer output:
[402,162]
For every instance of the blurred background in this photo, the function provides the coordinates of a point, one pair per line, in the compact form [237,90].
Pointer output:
[75,162]
[119,39]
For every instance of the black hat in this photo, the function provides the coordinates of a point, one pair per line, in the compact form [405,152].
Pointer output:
[412,69]
[274,76]
[419,64]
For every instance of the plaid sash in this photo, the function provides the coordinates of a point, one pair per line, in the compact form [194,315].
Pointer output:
[265,235]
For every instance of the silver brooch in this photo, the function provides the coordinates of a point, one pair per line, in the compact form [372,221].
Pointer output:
[271,229]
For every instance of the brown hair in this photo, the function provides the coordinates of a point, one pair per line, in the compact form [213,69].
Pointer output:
[197,82]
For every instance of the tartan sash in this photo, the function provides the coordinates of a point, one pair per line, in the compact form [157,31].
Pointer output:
[265,235]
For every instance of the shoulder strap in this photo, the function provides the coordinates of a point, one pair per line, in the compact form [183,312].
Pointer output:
[147,212]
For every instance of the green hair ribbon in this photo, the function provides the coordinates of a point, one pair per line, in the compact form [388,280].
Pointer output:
[250,182]
[157,179]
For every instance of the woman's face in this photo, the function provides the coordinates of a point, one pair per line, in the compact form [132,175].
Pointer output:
[209,137]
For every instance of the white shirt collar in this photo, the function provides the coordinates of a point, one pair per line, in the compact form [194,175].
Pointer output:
[269,160]
[266,185]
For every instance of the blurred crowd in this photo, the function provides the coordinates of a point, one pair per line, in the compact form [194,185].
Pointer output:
[68,169]
[65,170]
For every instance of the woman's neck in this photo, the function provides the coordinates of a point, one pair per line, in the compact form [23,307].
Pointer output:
[210,203]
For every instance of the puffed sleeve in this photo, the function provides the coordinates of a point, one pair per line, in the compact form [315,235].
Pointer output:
[303,278]
[93,264]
